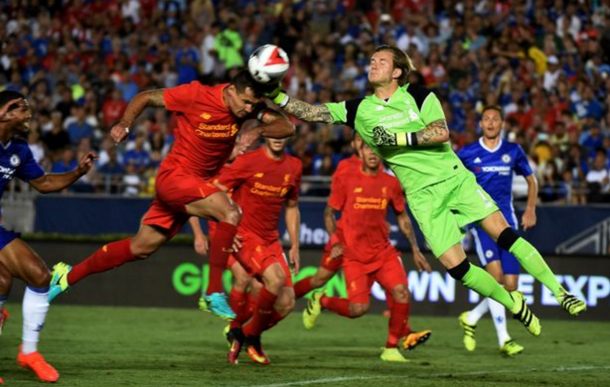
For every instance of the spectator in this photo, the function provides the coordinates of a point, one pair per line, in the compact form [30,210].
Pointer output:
[79,128]
[598,181]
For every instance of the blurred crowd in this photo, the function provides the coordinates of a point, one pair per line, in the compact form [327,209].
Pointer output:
[546,63]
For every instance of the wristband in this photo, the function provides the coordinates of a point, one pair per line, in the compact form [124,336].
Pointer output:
[406,139]
[281,99]
[261,114]
[127,130]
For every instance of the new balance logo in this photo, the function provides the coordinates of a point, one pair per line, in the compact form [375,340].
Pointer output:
[259,175]
[206,116]
[358,190]
[477,160]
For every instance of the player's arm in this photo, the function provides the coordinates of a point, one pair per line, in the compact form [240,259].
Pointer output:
[528,220]
[54,182]
[406,227]
[330,222]
[299,109]
[201,241]
[141,101]
[293,226]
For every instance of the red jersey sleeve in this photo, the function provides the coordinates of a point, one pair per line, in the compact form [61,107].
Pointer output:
[337,193]
[398,198]
[179,97]
[233,175]
[298,173]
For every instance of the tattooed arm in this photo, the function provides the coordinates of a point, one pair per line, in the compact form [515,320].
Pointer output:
[309,113]
[435,133]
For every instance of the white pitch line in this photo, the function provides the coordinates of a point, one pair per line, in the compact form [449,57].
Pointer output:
[354,378]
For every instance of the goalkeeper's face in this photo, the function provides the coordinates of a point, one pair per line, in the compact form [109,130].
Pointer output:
[381,70]
[492,124]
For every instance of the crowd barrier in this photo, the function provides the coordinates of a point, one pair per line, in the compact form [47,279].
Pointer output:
[563,230]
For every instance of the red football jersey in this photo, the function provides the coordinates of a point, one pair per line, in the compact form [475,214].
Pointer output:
[261,187]
[206,129]
[363,201]
[345,166]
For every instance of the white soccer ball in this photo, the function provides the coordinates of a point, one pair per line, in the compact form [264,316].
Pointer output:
[268,64]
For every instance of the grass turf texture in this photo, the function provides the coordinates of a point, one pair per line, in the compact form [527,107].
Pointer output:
[100,346]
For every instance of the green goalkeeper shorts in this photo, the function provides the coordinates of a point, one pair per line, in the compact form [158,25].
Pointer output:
[444,209]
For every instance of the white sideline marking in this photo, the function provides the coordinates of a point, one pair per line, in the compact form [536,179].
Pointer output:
[349,378]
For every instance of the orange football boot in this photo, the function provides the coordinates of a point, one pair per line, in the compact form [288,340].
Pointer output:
[38,364]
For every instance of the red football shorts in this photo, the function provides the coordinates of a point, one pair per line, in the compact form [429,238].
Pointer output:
[328,263]
[173,190]
[387,269]
[257,255]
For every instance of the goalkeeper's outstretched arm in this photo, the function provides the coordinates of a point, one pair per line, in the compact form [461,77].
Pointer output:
[299,109]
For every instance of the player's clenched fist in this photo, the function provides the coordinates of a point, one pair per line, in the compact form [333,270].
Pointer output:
[119,132]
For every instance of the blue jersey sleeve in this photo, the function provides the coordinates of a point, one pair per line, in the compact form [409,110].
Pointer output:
[29,169]
[522,166]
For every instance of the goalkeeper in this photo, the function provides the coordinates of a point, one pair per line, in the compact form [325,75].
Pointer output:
[405,125]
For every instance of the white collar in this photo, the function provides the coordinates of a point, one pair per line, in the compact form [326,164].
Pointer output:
[489,149]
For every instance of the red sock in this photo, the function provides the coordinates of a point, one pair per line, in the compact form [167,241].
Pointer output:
[108,257]
[262,313]
[407,326]
[302,287]
[336,304]
[220,248]
[238,302]
[397,324]
[275,318]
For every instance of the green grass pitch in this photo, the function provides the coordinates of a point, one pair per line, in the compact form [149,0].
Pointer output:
[100,346]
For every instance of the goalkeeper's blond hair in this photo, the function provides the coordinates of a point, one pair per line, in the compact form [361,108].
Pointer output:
[400,61]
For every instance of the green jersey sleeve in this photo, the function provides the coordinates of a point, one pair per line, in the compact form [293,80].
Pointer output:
[431,109]
[337,111]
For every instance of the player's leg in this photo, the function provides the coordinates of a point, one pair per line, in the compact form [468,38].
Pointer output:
[496,226]
[274,280]
[218,206]
[326,270]
[6,281]
[238,297]
[480,281]
[141,246]
[489,257]
[510,269]
[22,262]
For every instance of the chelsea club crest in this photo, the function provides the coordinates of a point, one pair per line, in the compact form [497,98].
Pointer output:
[506,158]
[15,160]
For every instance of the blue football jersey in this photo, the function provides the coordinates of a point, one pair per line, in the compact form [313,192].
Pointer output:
[494,169]
[16,160]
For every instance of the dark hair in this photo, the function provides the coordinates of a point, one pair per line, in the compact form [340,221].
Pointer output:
[493,107]
[400,61]
[243,80]
[8,95]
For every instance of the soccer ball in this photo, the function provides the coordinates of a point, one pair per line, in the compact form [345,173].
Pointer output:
[268,64]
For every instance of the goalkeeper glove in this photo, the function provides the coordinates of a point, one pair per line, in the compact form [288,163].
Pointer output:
[276,95]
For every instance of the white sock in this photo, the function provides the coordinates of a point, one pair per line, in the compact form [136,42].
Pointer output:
[498,314]
[478,312]
[35,307]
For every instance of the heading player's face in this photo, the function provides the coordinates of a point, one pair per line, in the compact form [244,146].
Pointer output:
[370,159]
[241,104]
[381,70]
[491,123]
[276,145]
[20,116]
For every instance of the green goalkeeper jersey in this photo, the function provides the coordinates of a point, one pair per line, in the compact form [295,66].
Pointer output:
[409,109]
